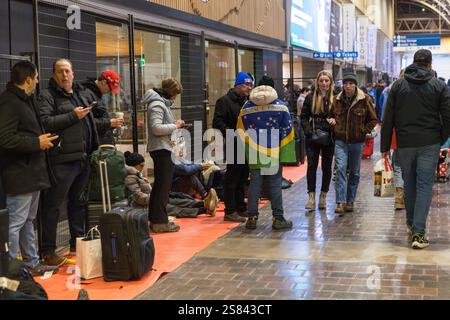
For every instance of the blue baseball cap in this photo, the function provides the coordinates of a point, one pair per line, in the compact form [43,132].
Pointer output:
[243,78]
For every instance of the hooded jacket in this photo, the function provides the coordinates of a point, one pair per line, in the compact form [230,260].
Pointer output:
[353,121]
[138,188]
[262,114]
[161,122]
[418,108]
[24,166]
[100,112]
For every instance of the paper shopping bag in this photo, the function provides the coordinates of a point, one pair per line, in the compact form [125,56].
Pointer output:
[387,180]
[89,255]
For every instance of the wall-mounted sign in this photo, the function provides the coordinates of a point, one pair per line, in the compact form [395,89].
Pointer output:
[337,55]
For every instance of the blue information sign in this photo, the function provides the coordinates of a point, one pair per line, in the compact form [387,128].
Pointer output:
[338,55]
[417,40]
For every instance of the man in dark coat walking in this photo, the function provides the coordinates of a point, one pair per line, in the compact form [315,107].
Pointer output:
[418,109]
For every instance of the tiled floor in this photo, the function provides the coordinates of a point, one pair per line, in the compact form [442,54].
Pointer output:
[364,255]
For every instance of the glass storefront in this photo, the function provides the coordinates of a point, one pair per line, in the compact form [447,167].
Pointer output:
[221,71]
[157,57]
[113,53]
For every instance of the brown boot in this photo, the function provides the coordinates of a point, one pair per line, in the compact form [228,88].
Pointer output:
[399,199]
[340,208]
[349,207]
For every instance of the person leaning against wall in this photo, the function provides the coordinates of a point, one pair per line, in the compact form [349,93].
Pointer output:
[160,126]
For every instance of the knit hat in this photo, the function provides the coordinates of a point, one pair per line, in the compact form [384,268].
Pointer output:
[266,81]
[350,77]
[113,80]
[133,159]
[243,78]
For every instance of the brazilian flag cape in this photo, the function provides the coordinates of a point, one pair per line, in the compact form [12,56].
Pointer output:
[267,134]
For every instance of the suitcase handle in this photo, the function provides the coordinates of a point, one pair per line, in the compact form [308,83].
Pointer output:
[114,247]
[106,196]
[107,146]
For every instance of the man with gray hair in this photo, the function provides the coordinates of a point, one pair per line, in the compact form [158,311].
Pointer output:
[418,109]
[65,111]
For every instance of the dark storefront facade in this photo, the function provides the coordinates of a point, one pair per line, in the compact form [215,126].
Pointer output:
[111,38]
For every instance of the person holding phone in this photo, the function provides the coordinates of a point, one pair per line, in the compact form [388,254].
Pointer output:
[65,110]
[160,126]
[95,89]
[24,168]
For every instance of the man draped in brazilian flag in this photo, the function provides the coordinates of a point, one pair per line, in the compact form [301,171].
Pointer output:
[265,127]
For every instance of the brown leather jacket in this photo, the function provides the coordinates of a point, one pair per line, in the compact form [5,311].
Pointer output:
[355,121]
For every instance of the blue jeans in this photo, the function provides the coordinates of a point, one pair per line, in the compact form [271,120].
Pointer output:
[275,192]
[398,178]
[22,213]
[419,169]
[347,153]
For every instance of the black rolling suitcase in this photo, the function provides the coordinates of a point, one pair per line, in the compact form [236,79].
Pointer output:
[4,242]
[96,210]
[128,250]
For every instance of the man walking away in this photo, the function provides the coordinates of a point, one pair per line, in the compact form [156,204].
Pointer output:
[418,109]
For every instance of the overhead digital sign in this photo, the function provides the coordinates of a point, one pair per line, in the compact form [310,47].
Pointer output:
[310,24]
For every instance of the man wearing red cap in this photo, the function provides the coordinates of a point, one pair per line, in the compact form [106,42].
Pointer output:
[107,82]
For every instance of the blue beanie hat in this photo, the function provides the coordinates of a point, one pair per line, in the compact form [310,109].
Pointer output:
[243,78]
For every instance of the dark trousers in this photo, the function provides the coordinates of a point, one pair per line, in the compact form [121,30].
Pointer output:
[313,152]
[191,185]
[236,179]
[159,197]
[71,179]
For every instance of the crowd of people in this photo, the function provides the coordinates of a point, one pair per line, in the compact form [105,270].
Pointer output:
[47,141]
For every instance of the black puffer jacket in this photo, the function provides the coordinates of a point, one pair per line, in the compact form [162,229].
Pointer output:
[100,112]
[24,167]
[58,117]
[320,120]
[415,108]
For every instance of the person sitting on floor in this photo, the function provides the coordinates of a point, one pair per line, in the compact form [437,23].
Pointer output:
[139,189]
[189,178]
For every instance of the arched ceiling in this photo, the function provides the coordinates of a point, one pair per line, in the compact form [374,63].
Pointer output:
[435,12]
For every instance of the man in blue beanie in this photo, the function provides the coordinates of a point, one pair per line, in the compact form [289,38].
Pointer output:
[226,115]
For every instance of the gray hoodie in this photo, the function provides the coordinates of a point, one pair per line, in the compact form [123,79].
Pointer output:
[160,122]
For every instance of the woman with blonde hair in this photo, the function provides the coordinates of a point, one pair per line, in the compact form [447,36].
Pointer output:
[318,136]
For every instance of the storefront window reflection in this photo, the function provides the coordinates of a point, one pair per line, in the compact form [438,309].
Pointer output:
[113,53]
[157,58]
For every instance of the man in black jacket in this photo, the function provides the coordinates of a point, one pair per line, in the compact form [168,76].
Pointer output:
[24,165]
[65,110]
[107,82]
[418,109]
[226,114]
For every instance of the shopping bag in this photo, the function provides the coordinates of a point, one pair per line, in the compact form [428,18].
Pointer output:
[89,255]
[387,180]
